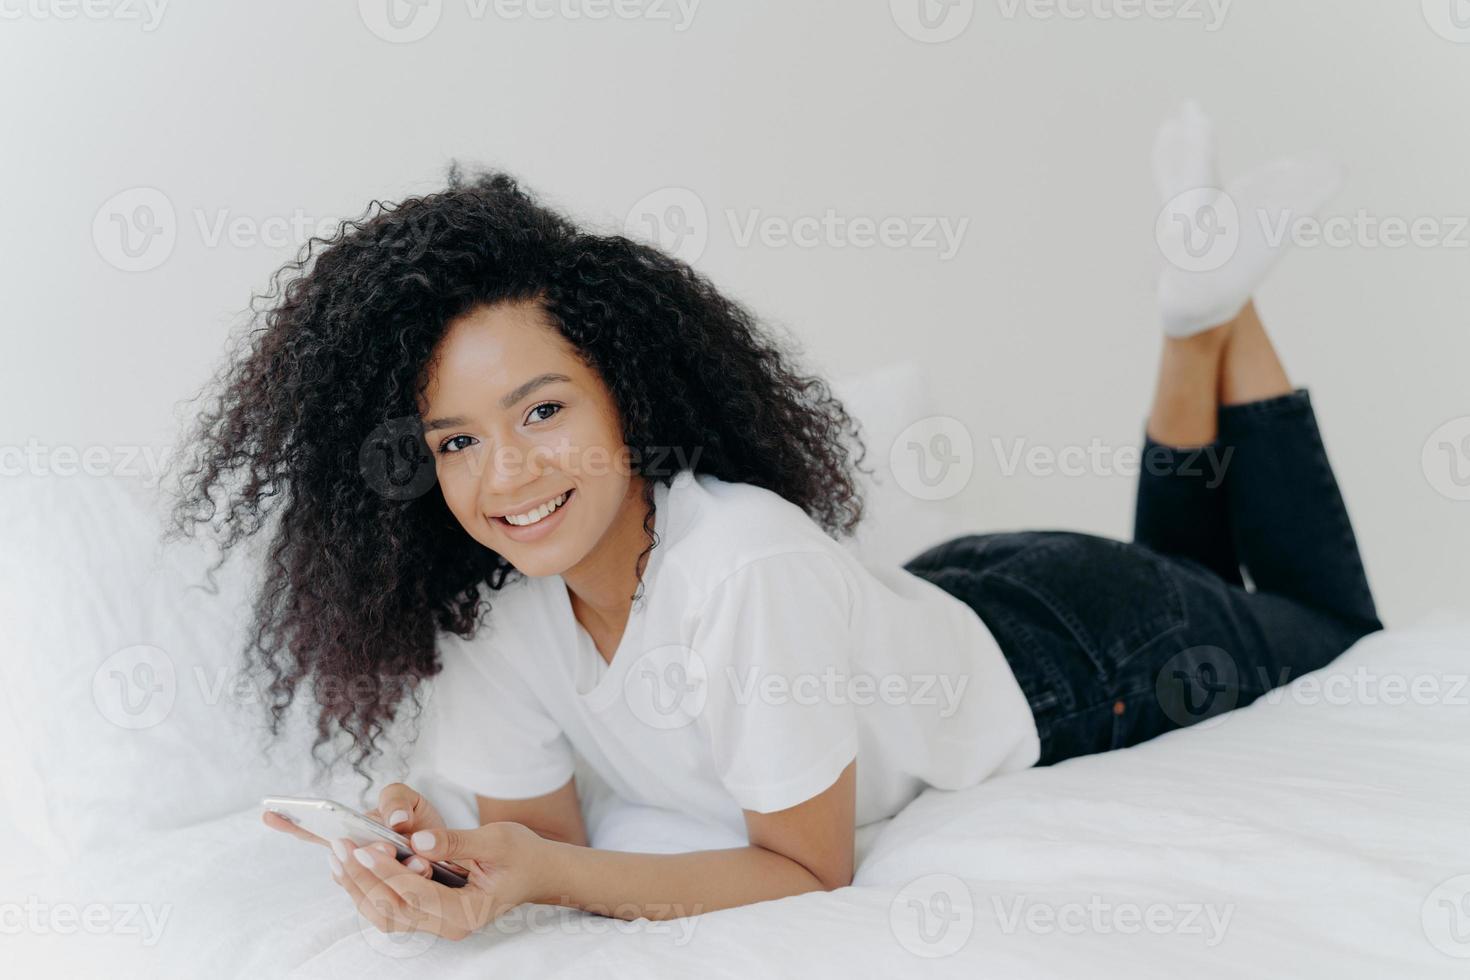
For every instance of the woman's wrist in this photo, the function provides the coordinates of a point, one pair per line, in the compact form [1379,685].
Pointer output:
[553,860]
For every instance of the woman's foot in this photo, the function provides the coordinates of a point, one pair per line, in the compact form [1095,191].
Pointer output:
[1221,243]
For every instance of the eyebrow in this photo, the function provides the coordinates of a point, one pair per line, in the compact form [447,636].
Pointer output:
[509,401]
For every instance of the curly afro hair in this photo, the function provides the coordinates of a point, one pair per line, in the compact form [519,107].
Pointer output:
[359,578]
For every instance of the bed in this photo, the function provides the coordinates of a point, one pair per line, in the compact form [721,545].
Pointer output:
[1322,831]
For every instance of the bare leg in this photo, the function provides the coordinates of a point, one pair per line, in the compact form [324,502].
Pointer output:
[1230,364]
[1187,396]
[1252,372]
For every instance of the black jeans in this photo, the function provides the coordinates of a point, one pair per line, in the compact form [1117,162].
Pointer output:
[1115,643]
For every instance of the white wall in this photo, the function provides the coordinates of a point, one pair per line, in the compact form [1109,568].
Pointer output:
[1033,128]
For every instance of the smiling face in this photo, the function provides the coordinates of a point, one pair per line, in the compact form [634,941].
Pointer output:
[518,424]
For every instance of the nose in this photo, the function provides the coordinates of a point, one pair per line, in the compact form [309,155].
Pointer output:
[511,468]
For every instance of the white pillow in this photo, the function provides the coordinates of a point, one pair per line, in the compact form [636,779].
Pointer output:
[897,525]
[125,706]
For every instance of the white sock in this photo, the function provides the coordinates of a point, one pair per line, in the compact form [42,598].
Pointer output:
[1220,243]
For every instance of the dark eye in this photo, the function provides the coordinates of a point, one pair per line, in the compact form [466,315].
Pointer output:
[538,415]
[455,444]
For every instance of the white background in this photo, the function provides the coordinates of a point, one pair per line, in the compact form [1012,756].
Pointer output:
[1032,126]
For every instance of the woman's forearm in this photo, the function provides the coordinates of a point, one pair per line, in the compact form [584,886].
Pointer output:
[667,886]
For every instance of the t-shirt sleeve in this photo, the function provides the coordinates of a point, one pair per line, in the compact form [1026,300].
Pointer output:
[487,730]
[776,643]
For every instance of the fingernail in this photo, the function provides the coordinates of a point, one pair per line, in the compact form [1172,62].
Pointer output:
[397,817]
[422,841]
[364,857]
[339,848]
[417,864]
[335,865]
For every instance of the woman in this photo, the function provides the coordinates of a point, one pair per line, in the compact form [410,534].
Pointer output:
[466,412]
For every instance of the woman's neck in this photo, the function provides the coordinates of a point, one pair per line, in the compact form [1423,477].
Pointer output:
[602,584]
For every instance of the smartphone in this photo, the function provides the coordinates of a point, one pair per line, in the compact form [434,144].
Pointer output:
[333,821]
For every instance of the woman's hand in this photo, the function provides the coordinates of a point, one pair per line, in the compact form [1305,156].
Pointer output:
[507,864]
[401,808]
[406,811]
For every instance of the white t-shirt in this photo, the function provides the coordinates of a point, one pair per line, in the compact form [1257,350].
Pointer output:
[761,659]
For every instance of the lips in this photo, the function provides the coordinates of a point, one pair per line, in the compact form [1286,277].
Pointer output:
[538,515]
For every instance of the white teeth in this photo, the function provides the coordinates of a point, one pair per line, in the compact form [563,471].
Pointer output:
[521,520]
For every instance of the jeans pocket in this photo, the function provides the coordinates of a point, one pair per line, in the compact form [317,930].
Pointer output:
[1115,600]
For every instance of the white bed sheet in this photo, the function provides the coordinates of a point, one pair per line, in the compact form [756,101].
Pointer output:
[1307,835]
